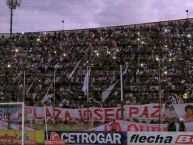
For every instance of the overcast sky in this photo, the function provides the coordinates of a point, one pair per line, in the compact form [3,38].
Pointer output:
[47,15]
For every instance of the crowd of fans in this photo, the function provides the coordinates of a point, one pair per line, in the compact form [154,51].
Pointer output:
[158,58]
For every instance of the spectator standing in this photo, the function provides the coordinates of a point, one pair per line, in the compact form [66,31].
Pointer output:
[181,125]
[172,125]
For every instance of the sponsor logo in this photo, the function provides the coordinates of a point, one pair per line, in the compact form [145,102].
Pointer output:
[151,139]
[92,138]
[160,138]
[184,139]
[54,139]
[53,142]
[115,138]
[54,136]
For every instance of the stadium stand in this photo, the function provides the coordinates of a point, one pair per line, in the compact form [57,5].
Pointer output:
[146,49]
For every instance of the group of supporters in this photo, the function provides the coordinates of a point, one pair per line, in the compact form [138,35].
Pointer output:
[157,58]
[172,125]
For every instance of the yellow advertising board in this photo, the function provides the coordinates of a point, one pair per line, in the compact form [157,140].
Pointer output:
[15,137]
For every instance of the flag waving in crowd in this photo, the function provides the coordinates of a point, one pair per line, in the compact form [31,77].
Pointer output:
[73,71]
[47,96]
[85,87]
[107,92]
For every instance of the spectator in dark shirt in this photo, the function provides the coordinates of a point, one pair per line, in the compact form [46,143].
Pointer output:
[172,125]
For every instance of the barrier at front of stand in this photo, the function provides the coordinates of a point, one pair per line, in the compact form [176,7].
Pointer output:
[119,138]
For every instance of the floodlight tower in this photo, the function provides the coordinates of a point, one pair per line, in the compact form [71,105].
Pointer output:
[62,25]
[187,13]
[12,4]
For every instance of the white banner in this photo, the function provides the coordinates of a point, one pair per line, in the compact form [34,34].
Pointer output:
[184,111]
[139,127]
[149,111]
[132,126]
[15,119]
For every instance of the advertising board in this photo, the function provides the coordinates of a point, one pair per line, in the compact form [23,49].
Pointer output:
[160,138]
[86,137]
[14,137]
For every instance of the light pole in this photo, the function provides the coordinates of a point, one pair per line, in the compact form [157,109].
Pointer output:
[160,90]
[62,25]
[7,93]
[12,4]
[187,13]
[121,85]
